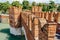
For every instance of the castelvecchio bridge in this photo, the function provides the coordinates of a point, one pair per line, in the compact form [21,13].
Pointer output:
[38,25]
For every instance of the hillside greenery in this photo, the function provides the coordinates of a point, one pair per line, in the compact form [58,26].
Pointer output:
[26,5]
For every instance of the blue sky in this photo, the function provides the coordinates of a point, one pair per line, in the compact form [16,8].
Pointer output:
[45,1]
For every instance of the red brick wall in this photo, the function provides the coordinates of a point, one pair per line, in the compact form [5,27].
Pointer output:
[4,18]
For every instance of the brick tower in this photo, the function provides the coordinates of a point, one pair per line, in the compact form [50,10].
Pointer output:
[15,20]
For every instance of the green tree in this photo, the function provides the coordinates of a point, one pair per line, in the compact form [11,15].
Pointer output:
[0,6]
[45,8]
[34,3]
[58,8]
[25,4]
[52,6]
[4,6]
[16,3]
[40,4]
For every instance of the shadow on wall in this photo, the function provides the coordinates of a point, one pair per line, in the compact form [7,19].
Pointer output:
[11,37]
[58,35]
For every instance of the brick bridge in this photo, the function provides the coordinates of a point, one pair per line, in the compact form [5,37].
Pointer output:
[38,25]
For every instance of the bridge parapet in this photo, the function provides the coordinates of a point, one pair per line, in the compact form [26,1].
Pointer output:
[37,24]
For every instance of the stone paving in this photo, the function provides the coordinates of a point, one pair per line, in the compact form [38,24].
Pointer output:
[5,33]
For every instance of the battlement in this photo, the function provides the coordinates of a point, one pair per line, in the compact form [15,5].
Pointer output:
[38,25]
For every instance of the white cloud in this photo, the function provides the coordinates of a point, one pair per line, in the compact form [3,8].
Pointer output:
[37,1]
[45,1]
[57,1]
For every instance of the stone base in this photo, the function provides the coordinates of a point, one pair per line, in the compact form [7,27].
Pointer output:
[18,31]
[15,31]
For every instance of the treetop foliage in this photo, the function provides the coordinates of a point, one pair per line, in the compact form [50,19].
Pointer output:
[26,5]
[16,3]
